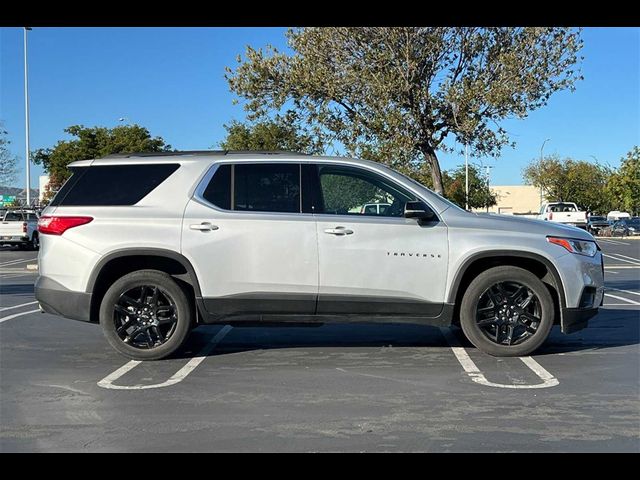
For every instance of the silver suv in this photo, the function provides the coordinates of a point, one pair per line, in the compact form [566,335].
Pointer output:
[151,246]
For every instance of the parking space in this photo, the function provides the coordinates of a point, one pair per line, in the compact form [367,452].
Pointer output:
[354,387]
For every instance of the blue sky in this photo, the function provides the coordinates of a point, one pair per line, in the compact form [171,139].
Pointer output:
[171,80]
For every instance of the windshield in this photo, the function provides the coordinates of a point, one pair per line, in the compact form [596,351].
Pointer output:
[597,219]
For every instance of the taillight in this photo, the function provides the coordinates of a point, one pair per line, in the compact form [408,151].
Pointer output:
[53,225]
[24,227]
[550,215]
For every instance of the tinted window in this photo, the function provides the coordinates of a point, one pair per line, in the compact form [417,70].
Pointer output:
[352,191]
[218,191]
[562,207]
[14,217]
[112,184]
[267,187]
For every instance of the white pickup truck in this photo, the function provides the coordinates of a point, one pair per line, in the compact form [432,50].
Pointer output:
[567,213]
[20,227]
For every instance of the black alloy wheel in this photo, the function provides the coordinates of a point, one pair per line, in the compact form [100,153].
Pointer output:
[145,317]
[508,313]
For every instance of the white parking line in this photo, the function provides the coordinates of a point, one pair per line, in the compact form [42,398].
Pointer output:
[615,242]
[626,256]
[12,262]
[621,259]
[15,315]
[625,291]
[16,306]
[15,276]
[632,302]
[477,376]
[107,382]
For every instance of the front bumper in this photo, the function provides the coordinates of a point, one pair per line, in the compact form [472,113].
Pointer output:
[583,284]
[59,300]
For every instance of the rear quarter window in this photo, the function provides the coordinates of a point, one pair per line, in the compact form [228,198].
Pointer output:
[112,185]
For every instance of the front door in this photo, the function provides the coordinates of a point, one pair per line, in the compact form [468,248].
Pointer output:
[253,250]
[374,260]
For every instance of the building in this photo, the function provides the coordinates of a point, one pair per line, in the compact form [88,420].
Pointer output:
[515,200]
[43,182]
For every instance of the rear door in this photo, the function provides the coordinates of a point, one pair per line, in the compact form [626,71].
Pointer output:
[375,261]
[253,249]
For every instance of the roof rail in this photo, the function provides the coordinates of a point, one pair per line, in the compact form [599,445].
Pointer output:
[203,152]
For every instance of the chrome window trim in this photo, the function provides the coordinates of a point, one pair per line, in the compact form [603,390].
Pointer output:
[198,195]
[388,178]
[213,168]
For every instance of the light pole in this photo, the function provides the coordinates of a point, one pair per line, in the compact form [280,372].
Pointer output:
[488,178]
[541,149]
[26,120]
[466,160]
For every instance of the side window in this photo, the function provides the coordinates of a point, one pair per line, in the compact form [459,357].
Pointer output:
[353,191]
[267,187]
[218,191]
[256,187]
[112,185]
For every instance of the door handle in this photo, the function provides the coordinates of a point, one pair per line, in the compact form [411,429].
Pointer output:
[338,231]
[203,227]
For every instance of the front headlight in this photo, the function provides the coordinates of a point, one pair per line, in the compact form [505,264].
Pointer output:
[581,247]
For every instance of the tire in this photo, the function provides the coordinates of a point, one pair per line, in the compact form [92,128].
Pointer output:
[35,242]
[477,303]
[117,310]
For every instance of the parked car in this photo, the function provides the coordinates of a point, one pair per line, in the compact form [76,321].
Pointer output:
[626,228]
[20,227]
[567,213]
[150,246]
[616,215]
[596,224]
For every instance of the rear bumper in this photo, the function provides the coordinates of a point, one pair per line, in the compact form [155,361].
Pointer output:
[14,239]
[58,300]
[574,319]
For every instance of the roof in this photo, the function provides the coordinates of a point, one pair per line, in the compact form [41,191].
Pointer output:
[203,152]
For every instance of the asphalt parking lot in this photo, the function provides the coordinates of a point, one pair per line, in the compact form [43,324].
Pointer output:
[330,388]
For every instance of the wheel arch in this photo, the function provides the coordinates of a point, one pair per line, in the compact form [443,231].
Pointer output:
[533,262]
[123,261]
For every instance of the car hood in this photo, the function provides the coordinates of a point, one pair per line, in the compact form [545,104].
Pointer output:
[493,222]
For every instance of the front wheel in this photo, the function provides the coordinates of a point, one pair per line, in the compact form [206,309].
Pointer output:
[145,315]
[507,311]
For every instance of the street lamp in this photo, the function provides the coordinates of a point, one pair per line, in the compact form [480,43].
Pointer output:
[26,120]
[466,160]
[542,148]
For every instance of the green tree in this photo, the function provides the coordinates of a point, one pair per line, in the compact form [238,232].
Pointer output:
[623,186]
[571,180]
[397,93]
[280,133]
[8,161]
[94,142]
[480,194]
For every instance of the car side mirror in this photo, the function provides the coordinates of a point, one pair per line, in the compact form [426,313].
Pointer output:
[419,211]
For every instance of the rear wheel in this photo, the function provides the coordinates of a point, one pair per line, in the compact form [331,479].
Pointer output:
[507,311]
[145,315]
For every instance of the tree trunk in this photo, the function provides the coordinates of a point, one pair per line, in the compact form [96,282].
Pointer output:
[436,173]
